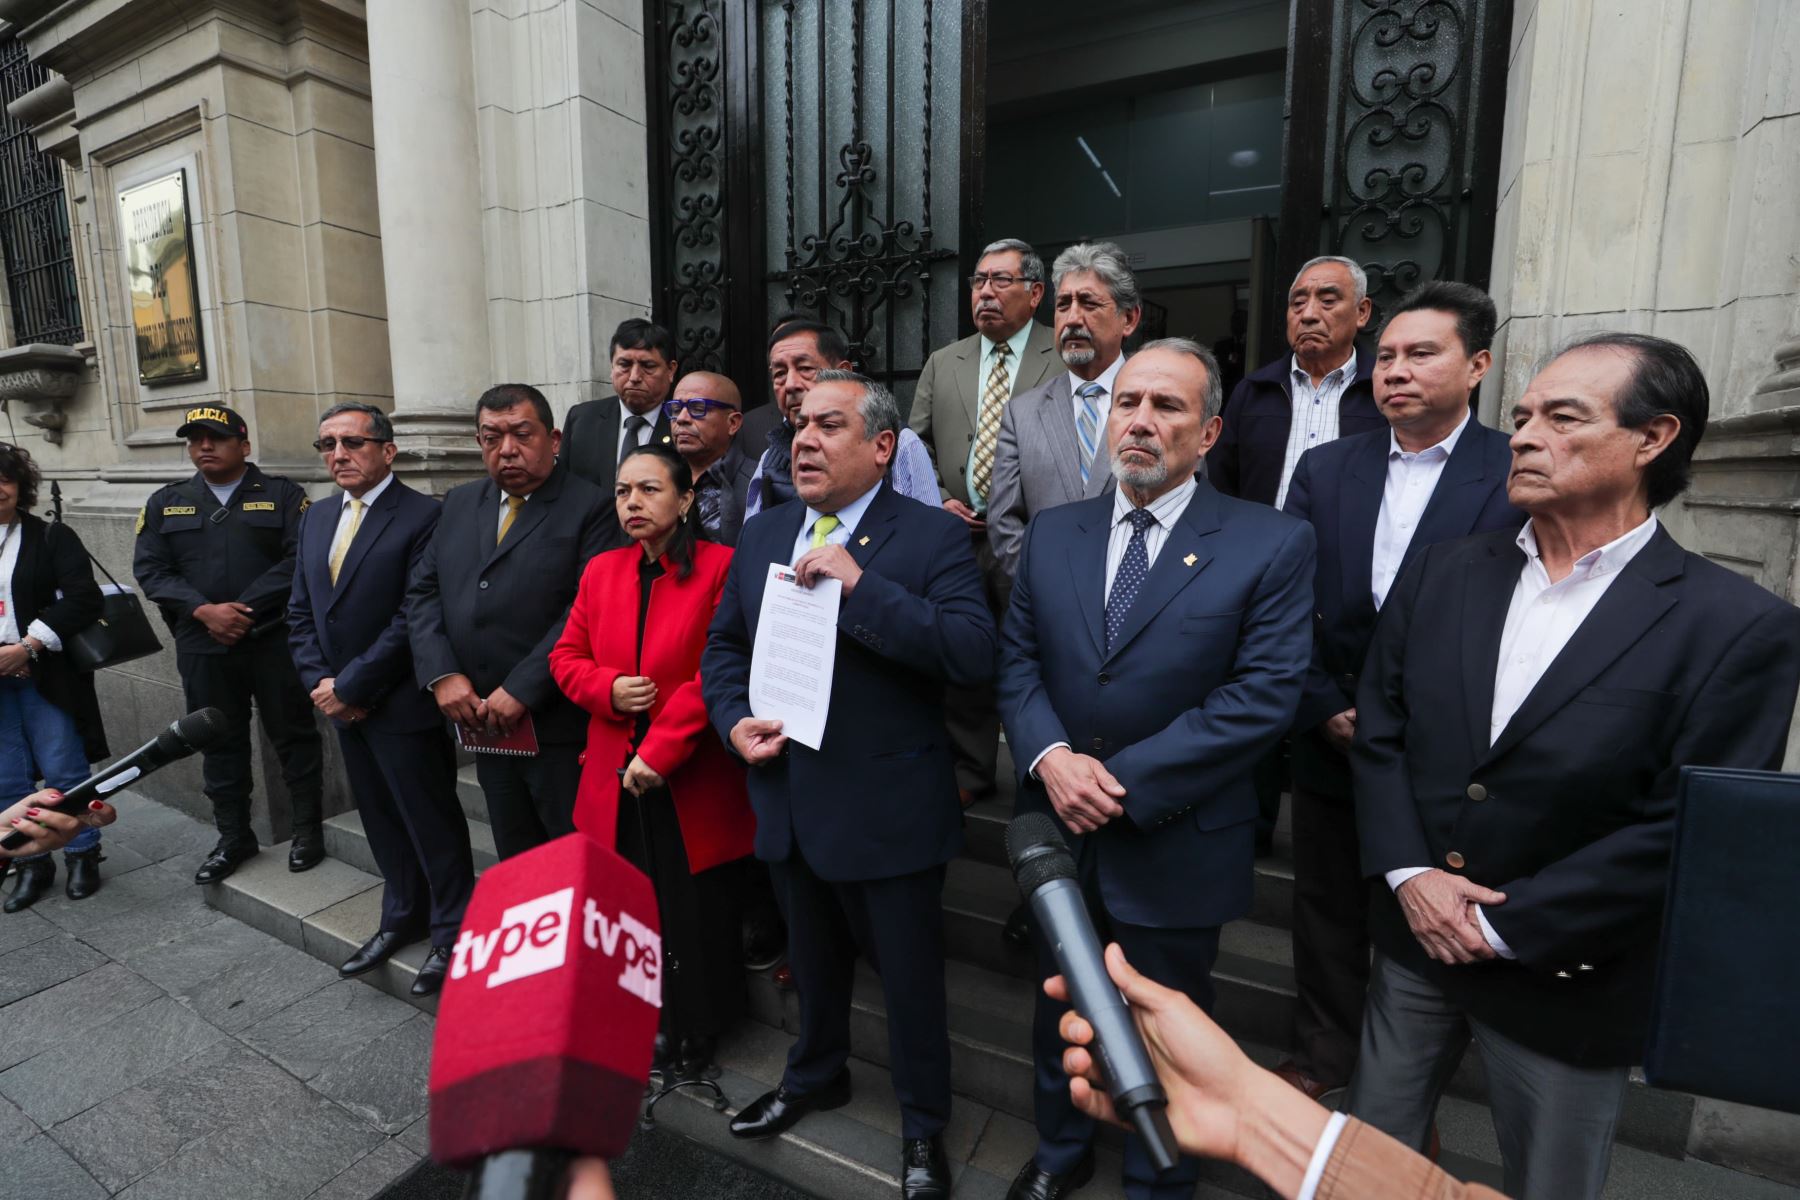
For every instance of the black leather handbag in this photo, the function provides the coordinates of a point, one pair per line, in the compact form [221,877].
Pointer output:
[121,634]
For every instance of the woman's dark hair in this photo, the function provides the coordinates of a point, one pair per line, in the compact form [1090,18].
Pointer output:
[1666,380]
[17,468]
[681,543]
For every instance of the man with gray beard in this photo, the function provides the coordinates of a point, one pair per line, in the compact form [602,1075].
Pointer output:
[1155,648]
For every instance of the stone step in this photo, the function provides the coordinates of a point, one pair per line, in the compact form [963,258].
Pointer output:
[346,841]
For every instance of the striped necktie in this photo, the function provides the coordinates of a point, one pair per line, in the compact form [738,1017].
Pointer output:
[342,549]
[987,427]
[1087,427]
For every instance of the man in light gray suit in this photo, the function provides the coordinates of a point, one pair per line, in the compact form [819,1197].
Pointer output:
[1051,446]
[956,411]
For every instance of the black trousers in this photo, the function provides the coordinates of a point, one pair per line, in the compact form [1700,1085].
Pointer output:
[899,925]
[972,714]
[405,789]
[263,671]
[1331,935]
[530,800]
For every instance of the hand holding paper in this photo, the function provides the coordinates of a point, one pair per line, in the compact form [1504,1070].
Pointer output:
[796,648]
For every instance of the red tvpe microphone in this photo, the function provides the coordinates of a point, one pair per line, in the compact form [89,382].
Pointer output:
[546,1021]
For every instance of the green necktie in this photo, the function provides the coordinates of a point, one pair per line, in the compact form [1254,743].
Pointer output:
[822,529]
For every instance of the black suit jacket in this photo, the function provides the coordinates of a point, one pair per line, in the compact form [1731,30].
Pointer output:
[355,632]
[1571,811]
[1246,460]
[1339,487]
[494,612]
[590,449]
[737,469]
[53,582]
[878,798]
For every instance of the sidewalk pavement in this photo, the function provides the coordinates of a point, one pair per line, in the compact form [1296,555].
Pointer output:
[152,1047]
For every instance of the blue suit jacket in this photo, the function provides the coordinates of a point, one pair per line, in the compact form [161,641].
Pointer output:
[1202,681]
[1338,488]
[878,799]
[356,631]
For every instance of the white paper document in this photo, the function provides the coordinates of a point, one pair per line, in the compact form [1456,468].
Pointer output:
[795,652]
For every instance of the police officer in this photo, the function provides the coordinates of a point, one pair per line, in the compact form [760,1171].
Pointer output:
[216,553]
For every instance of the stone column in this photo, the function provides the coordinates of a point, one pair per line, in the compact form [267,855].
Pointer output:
[428,180]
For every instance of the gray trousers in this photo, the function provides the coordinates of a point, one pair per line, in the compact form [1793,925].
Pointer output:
[1555,1122]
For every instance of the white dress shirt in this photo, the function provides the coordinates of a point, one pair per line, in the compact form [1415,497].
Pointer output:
[643,435]
[1411,480]
[368,499]
[1315,414]
[1102,402]
[10,538]
[1166,509]
[500,519]
[848,517]
[1540,620]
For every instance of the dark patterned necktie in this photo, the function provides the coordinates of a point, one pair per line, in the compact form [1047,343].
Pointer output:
[1132,570]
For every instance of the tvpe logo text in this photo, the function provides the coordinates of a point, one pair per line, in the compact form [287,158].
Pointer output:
[533,937]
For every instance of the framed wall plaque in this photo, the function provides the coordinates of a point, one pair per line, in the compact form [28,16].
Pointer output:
[159,266]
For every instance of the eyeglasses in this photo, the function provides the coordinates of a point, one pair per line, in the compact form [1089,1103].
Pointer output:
[696,408]
[1001,281]
[326,445]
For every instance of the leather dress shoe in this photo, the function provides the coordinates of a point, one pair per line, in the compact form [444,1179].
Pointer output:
[223,860]
[375,951]
[1034,1183]
[432,972]
[307,852]
[36,877]
[1314,1089]
[774,1113]
[924,1171]
[84,872]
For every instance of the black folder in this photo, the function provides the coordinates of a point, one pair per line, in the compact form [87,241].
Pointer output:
[1726,1021]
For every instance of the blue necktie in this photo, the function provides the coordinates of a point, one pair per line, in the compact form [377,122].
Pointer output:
[1087,427]
[1132,570]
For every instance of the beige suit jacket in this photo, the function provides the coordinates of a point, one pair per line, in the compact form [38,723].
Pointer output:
[1367,1164]
[947,401]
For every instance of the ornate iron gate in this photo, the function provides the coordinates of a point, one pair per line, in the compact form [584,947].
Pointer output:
[1392,154]
[34,218]
[813,157]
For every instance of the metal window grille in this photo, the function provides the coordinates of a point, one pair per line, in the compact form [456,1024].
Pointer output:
[34,218]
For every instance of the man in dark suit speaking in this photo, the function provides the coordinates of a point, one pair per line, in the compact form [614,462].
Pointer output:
[857,832]
[347,630]
[488,601]
[1155,649]
[1528,703]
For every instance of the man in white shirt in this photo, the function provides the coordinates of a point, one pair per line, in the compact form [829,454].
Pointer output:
[1525,711]
[1375,499]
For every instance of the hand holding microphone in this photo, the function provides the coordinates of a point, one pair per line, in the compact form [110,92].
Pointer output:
[44,828]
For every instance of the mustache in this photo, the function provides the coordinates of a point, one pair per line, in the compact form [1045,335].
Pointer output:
[1139,443]
[1077,331]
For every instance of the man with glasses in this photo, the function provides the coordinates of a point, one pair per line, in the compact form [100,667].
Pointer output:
[487,602]
[597,434]
[704,417]
[347,630]
[956,410]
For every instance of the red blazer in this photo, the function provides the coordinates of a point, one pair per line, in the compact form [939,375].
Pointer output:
[598,645]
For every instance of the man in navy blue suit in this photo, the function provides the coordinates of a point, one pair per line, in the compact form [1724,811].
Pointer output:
[347,629]
[1155,649]
[858,831]
[1375,499]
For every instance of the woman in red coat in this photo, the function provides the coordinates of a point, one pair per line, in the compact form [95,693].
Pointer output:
[656,782]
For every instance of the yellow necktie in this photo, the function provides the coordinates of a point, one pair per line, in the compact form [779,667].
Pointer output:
[822,529]
[339,551]
[513,505]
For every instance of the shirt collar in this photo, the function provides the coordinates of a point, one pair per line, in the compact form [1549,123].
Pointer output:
[848,516]
[373,494]
[1016,343]
[1105,379]
[1448,445]
[1606,560]
[1346,369]
[1163,509]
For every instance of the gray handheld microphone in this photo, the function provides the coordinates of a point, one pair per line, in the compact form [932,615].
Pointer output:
[1045,871]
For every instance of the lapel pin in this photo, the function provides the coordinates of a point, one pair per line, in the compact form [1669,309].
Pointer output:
[1189,560]
[863,540]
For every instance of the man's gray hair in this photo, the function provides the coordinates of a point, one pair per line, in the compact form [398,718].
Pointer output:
[1030,265]
[880,411]
[1358,276]
[1214,396]
[1108,262]
[380,424]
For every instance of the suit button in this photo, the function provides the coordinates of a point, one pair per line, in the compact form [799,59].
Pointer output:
[484,584]
[1099,743]
[1564,975]
[1455,860]
[1318,616]
[1105,679]
[1477,793]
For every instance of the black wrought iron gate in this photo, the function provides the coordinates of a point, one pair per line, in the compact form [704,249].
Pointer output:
[813,157]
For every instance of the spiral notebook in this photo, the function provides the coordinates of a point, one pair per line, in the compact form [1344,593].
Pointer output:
[520,743]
